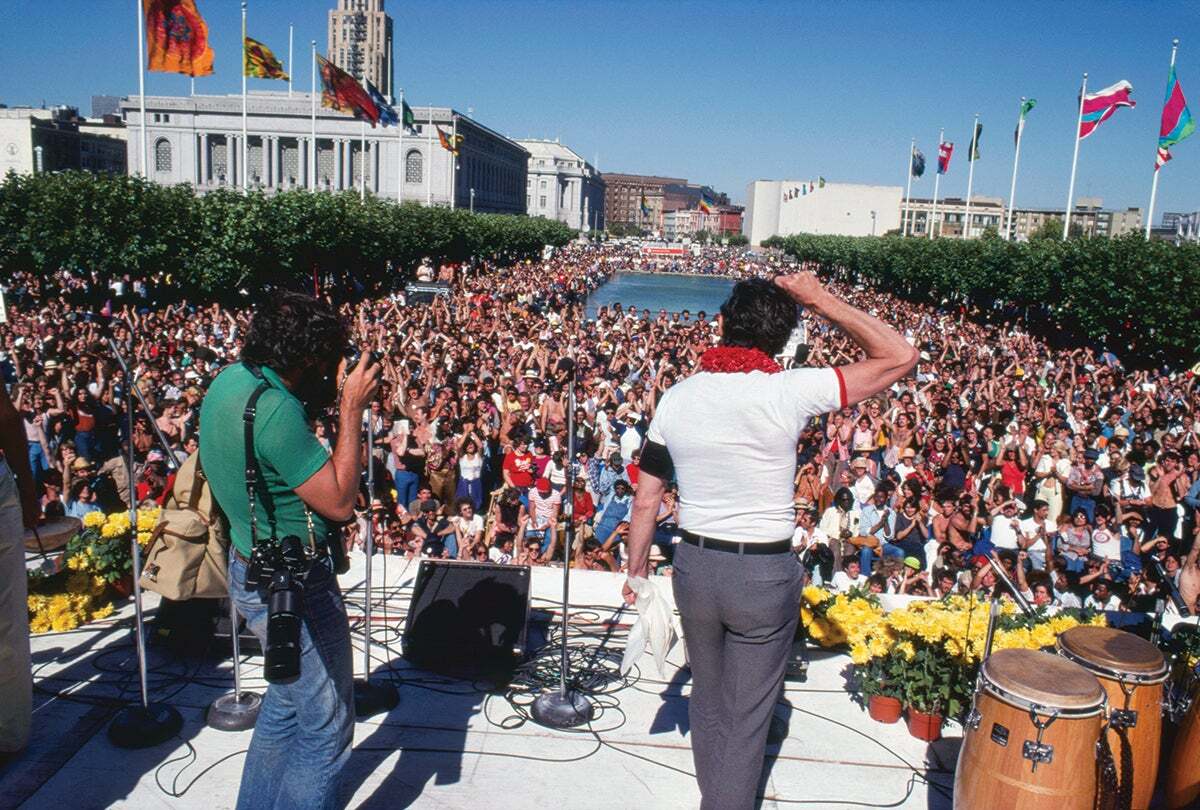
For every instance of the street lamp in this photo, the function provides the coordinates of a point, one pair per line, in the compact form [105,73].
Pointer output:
[872,223]
[472,201]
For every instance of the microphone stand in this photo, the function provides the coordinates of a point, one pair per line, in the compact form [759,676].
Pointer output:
[145,724]
[371,698]
[1017,596]
[563,707]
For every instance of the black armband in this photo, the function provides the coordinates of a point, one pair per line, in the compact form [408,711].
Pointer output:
[656,461]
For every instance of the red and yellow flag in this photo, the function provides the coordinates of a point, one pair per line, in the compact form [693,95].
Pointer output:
[260,63]
[177,38]
[449,142]
[342,93]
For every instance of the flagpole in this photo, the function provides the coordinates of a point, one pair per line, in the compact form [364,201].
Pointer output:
[971,174]
[291,64]
[1012,190]
[400,153]
[142,83]
[937,181]
[245,137]
[312,166]
[362,156]
[429,159]
[1154,182]
[1074,161]
[908,187]
[453,160]
[193,86]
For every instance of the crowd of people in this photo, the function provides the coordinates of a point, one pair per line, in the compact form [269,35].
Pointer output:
[1077,475]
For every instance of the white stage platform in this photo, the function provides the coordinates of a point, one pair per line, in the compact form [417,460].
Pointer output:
[453,744]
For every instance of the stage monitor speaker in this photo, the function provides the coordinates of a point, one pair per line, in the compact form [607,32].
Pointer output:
[467,618]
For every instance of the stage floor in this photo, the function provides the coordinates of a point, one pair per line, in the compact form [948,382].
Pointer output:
[455,744]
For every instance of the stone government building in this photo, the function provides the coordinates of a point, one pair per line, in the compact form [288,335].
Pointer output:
[197,140]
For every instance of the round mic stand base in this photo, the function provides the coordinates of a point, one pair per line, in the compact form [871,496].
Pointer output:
[234,711]
[374,698]
[140,726]
[557,709]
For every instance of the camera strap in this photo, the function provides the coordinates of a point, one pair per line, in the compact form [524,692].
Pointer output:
[252,471]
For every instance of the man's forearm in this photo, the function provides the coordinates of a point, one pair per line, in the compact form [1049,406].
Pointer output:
[641,533]
[876,338]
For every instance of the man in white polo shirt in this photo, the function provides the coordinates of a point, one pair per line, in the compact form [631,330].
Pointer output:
[736,582]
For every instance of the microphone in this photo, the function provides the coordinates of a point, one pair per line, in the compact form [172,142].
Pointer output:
[1172,589]
[801,355]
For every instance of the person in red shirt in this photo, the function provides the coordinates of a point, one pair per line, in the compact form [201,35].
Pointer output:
[633,467]
[583,510]
[518,466]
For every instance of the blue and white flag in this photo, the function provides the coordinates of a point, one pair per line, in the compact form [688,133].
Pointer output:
[388,116]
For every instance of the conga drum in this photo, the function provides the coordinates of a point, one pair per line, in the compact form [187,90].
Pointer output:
[1181,780]
[1132,672]
[1029,741]
[53,534]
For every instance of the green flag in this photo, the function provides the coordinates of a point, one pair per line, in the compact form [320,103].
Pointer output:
[1026,105]
[973,152]
[407,119]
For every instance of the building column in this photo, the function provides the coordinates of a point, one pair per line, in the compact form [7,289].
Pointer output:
[376,162]
[337,164]
[232,153]
[270,164]
[204,160]
[304,179]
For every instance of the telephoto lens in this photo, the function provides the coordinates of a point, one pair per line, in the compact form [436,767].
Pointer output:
[285,609]
[354,354]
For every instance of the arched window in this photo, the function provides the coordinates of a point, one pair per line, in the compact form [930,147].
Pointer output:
[162,155]
[413,167]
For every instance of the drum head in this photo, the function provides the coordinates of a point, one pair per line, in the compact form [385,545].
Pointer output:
[1112,650]
[53,534]
[1047,680]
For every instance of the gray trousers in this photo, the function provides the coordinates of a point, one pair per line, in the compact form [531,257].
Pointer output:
[16,681]
[739,615]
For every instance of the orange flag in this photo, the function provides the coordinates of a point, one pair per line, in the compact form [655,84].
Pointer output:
[177,38]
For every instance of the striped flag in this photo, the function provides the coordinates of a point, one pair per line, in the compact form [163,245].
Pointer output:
[341,92]
[1177,122]
[945,150]
[1026,106]
[707,203]
[1099,107]
[449,142]
[973,152]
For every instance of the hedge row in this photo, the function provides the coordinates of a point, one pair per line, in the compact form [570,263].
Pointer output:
[1139,298]
[222,241]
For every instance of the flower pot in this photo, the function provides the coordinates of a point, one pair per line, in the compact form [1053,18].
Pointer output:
[927,727]
[884,709]
[124,586]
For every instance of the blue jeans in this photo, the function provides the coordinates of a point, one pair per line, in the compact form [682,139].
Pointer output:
[1086,503]
[471,488]
[406,486]
[86,444]
[304,730]
[866,556]
[38,463]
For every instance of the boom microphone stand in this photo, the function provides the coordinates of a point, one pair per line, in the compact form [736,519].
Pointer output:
[565,708]
[147,724]
[371,698]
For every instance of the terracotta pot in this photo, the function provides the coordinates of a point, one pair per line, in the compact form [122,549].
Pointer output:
[124,586]
[927,727]
[884,709]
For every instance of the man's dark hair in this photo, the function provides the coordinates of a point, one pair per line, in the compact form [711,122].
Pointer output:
[758,315]
[291,331]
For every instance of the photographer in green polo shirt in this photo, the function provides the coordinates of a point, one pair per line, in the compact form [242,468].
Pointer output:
[295,343]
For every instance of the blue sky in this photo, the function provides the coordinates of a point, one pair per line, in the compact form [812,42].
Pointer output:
[719,92]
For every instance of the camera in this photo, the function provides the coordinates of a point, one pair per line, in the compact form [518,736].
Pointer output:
[280,570]
[353,355]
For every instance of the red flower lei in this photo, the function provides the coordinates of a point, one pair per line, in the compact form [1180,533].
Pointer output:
[737,359]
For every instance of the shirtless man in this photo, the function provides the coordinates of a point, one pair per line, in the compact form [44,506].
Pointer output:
[964,523]
[1189,576]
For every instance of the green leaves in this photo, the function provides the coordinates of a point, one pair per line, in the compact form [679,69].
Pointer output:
[1139,298]
[224,241]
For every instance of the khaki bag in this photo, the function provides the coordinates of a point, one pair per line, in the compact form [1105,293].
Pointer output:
[187,557]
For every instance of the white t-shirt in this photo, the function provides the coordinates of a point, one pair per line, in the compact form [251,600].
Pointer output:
[470,528]
[498,556]
[732,440]
[1003,533]
[1106,544]
[841,581]
[1029,529]
[541,509]
[1111,603]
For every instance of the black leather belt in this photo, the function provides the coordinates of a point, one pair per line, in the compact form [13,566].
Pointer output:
[773,547]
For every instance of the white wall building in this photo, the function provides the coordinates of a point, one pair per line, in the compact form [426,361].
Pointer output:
[562,185]
[778,208]
[198,140]
[37,140]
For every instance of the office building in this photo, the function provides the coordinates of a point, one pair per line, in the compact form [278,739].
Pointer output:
[623,194]
[986,212]
[36,140]
[562,185]
[198,140]
[787,207]
[360,41]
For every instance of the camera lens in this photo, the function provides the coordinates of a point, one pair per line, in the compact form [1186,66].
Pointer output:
[281,659]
